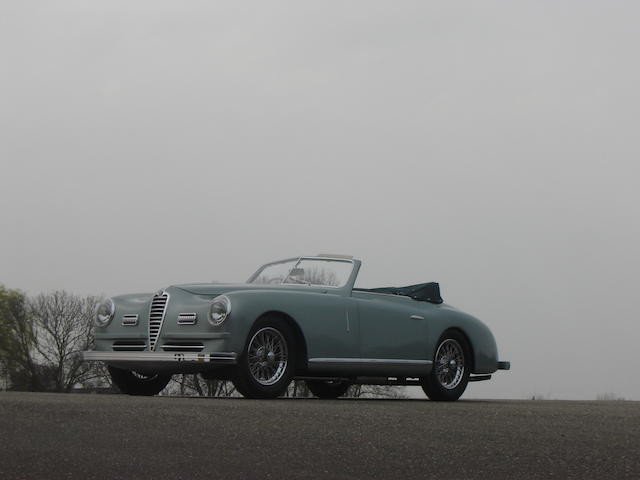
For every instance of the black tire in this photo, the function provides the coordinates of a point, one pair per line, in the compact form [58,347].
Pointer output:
[448,379]
[264,372]
[328,388]
[133,383]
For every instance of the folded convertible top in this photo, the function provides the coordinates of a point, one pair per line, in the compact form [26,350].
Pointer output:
[424,292]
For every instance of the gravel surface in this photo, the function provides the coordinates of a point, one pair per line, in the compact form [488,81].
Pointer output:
[52,436]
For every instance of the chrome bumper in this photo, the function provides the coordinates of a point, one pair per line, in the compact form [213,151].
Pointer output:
[220,358]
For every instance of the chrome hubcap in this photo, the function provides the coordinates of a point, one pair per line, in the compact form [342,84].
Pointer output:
[267,355]
[449,364]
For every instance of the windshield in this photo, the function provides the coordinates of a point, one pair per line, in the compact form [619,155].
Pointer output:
[305,271]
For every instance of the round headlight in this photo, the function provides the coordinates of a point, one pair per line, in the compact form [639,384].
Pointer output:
[220,310]
[104,313]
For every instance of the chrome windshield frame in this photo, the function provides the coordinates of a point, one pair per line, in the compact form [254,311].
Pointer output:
[297,261]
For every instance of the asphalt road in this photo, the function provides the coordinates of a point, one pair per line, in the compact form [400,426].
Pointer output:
[52,436]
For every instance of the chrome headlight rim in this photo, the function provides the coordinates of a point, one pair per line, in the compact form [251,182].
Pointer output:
[105,311]
[219,310]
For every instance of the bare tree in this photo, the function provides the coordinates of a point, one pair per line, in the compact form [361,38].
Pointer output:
[62,325]
[299,389]
[376,391]
[17,342]
[319,276]
[195,385]
[609,397]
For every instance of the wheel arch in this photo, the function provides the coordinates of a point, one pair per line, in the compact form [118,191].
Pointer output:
[301,343]
[466,337]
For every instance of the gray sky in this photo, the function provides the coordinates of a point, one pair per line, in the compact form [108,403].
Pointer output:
[490,146]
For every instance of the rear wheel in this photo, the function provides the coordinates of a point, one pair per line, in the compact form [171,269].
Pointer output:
[134,383]
[266,365]
[328,388]
[451,368]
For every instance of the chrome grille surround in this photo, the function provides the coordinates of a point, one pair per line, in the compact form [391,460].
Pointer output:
[157,312]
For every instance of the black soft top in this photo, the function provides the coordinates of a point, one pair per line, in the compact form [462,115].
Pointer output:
[423,292]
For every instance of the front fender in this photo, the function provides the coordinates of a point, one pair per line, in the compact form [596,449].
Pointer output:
[321,317]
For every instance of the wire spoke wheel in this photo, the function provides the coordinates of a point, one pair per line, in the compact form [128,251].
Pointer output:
[267,363]
[267,356]
[450,364]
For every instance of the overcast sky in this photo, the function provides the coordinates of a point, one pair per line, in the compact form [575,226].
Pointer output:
[490,146]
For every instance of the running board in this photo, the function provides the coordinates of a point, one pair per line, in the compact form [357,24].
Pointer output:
[326,379]
[399,381]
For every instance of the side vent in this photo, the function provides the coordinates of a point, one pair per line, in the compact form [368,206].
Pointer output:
[130,320]
[187,318]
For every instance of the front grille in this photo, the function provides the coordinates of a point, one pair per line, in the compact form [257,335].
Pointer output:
[156,317]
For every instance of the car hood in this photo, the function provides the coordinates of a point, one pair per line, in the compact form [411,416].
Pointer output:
[220,288]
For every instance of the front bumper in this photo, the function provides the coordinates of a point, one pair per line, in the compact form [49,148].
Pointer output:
[227,358]
[169,361]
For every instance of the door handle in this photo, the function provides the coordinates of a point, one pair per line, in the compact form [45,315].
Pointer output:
[416,317]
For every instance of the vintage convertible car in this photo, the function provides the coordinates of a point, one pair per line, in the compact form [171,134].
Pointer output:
[297,318]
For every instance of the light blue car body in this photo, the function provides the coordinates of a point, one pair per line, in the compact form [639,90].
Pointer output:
[342,331]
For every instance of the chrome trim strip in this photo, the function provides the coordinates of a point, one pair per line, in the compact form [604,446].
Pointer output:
[151,357]
[375,361]
[416,317]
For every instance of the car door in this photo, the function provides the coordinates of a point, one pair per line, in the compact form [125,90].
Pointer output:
[330,325]
[393,334]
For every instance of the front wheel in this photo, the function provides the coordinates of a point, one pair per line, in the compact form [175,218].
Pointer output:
[451,368]
[328,388]
[134,383]
[266,365]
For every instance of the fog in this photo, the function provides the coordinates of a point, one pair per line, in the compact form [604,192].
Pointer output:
[490,146]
